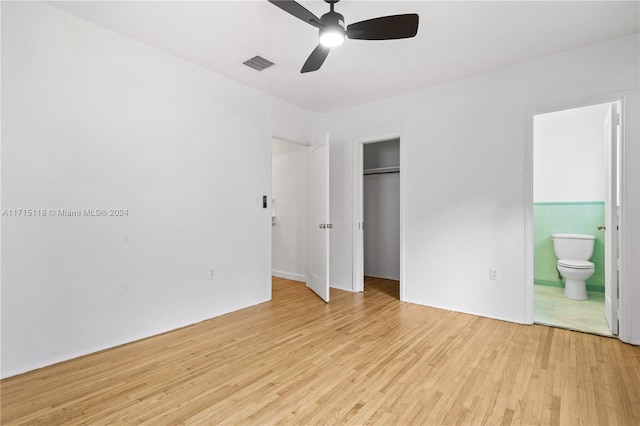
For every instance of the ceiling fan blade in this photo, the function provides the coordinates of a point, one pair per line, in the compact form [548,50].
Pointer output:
[298,11]
[316,59]
[385,28]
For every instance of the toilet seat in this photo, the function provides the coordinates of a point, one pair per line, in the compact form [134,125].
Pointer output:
[575,264]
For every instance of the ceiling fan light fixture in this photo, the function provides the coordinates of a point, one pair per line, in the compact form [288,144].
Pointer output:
[332,37]
[333,31]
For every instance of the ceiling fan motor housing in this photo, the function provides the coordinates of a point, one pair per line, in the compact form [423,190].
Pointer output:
[333,22]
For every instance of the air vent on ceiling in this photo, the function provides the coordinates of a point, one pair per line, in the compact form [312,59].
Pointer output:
[258,63]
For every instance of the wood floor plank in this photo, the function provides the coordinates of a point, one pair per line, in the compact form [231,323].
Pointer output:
[364,358]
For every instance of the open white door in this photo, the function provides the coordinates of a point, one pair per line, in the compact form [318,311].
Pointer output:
[318,277]
[611,219]
[358,211]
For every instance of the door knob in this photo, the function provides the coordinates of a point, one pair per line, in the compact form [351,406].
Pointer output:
[601,227]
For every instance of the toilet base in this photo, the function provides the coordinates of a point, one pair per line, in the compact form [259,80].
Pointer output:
[576,290]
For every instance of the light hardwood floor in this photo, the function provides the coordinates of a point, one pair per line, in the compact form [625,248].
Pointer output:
[363,358]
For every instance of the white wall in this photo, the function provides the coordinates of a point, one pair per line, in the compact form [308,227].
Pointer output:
[92,120]
[289,186]
[569,155]
[464,171]
[381,196]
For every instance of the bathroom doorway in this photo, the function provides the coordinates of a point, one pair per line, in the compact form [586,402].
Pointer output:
[575,202]
[377,209]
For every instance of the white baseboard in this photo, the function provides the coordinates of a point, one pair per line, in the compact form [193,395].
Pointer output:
[289,276]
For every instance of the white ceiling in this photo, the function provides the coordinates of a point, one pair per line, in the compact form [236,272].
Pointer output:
[455,39]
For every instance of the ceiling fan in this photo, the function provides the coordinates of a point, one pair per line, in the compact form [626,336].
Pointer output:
[333,33]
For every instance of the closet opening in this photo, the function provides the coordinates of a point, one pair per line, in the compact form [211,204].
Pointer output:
[380,219]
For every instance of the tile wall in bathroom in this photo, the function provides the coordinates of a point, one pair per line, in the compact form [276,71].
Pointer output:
[566,218]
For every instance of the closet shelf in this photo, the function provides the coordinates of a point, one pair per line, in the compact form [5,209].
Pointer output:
[381,170]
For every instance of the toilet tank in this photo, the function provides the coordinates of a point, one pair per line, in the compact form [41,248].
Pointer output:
[573,246]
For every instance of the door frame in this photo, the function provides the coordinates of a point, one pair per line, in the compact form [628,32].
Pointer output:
[358,208]
[528,200]
[612,129]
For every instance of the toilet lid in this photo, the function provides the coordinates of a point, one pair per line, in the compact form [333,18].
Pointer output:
[575,264]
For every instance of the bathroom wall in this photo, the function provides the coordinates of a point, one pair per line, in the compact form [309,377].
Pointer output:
[575,137]
[569,186]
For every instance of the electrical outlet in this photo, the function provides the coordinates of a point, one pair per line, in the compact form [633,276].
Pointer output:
[494,273]
[212,274]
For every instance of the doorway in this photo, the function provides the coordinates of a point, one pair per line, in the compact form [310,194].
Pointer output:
[575,199]
[300,225]
[377,239]
[289,217]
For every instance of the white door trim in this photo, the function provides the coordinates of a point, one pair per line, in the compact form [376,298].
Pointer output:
[611,132]
[629,318]
[358,245]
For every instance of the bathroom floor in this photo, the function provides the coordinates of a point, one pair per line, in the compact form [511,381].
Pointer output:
[550,307]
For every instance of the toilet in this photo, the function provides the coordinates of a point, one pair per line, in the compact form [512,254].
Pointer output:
[573,252]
